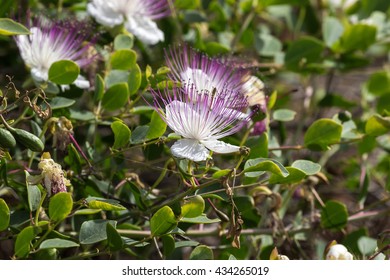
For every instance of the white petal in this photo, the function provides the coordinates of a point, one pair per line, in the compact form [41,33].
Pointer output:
[190,149]
[238,115]
[104,15]
[81,82]
[145,29]
[39,75]
[220,146]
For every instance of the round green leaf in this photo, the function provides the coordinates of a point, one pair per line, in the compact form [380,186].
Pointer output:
[295,175]
[332,30]
[307,166]
[302,52]
[367,245]
[358,37]
[135,79]
[64,72]
[377,125]
[255,167]
[57,243]
[157,127]
[116,97]
[122,134]
[4,215]
[334,215]
[94,231]
[202,219]
[193,207]
[214,48]
[202,252]
[162,221]
[284,115]
[23,240]
[59,102]
[321,134]
[123,41]
[379,83]
[60,206]
[123,59]
[8,27]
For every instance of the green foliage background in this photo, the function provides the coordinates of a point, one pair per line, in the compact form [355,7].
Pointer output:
[319,173]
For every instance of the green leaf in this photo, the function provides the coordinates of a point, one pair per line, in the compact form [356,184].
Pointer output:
[220,173]
[8,27]
[295,175]
[334,215]
[4,215]
[163,221]
[104,204]
[214,48]
[377,125]
[63,72]
[307,166]
[116,97]
[379,83]
[267,45]
[134,79]
[59,102]
[57,243]
[202,219]
[168,244]
[123,59]
[303,52]
[367,245]
[321,134]
[34,197]
[358,37]
[99,88]
[114,240]
[123,41]
[122,134]
[202,252]
[60,206]
[157,127]
[193,207]
[332,30]
[94,231]
[255,167]
[284,115]
[258,146]
[87,211]
[23,240]
[139,134]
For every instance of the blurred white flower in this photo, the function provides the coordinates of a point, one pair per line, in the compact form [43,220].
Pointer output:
[338,252]
[137,15]
[50,42]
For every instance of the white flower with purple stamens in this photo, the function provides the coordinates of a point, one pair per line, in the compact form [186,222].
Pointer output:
[137,15]
[205,73]
[50,42]
[188,113]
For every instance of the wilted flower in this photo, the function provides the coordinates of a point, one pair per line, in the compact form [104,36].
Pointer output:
[206,74]
[188,113]
[52,176]
[51,41]
[62,129]
[338,252]
[137,15]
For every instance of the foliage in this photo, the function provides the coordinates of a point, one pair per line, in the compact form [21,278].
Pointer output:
[318,172]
